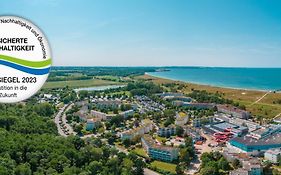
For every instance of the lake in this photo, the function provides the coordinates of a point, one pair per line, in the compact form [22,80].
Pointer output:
[99,88]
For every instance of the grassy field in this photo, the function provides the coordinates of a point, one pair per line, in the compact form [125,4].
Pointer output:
[79,83]
[164,166]
[265,108]
[161,139]
[140,151]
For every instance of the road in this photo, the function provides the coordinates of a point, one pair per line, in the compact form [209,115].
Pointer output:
[195,164]
[64,121]
[61,114]
[57,121]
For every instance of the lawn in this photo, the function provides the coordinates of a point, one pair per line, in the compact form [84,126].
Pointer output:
[140,151]
[161,139]
[79,83]
[164,166]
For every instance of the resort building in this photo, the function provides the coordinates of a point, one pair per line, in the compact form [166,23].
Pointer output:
[249,168]
[234,111]
[265,131]
[99,114]
[242,122]
[146,127]
[224,126]
[105,116]
[92,123]
[197,122]
[181,120]
[167,131]
[169,94]
[107,103]
[159,152]
[273,155]
[258,141]
[127,113]
[193,105]
[250,165]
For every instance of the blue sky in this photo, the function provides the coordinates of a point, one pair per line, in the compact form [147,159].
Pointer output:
[235,33]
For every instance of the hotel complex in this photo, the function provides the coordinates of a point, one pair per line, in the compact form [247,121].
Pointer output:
[157,151]
[146,127]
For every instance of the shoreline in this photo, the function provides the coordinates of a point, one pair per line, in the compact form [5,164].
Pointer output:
[213,86]
[265,107]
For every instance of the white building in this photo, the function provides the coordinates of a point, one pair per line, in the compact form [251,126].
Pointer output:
[242,122]
[99,114]
[146,127]
[234,111]
[181,120]
[273,155]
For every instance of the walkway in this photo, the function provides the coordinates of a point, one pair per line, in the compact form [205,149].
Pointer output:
[261,97]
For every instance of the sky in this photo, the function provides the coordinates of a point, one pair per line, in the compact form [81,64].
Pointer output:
[219,33]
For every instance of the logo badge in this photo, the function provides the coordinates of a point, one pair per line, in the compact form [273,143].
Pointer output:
[25,59]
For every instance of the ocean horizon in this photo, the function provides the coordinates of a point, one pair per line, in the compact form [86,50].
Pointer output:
[263,79]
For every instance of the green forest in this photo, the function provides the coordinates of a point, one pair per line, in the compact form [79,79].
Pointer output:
[29,144]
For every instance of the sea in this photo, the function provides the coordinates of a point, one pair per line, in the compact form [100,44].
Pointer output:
[263,79]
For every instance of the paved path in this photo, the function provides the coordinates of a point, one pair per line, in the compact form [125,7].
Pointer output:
[261,97]
[278,115]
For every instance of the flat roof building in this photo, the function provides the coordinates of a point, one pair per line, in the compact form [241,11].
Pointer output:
[253,146]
